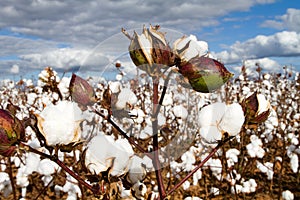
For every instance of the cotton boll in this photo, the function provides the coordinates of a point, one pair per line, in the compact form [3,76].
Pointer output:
[233,119]
[287,195]
[188,159]
[294,161]
[31,97]
[140,190]
[210,134]
[32,163]
[72,188]
[197,176]
[211,114]
[114,154]
[115,87]
[47,167]
[168,100]
[266,168]
[192,198]
[59,123]
[161,119]
[146,133]
[236,189]
[63,86]
[215,191]
[138,115]
[249,186]
[5,185]
[231,156]
[216,167]
[180,111]
[126,96]
[136,170]
[186,185]
[122,158]
[22,177]
[255,149]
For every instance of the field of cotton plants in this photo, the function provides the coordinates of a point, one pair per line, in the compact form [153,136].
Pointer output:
[183,127]
[259,162]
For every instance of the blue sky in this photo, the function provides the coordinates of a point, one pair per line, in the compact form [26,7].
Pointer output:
[63,34]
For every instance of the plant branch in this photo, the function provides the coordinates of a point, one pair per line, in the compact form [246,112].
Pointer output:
[11,177]
[155,160]
[163,94]
[123,133]
[214,150]
[53,158]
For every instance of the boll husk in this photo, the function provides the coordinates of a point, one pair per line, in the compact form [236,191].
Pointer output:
[11,132]
[149,51]
[204,74]
[256,108]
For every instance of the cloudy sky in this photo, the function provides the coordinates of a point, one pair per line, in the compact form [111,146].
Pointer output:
[73,33]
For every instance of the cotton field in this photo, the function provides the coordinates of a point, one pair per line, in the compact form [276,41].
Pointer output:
[107,143]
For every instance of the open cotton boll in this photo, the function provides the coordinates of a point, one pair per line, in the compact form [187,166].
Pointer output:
[137,115]
[126,96]
[63,86]
[115,86]
[232,120]
[211,114]
[190,47]
[5,185]
[232,156]
[192,198]
[104,152]
[140,190]
[255,149]
[136,170]
[210,134]
[180,111]
[294,162]
[59,123]
[287,195]
[266,168]
[47,167]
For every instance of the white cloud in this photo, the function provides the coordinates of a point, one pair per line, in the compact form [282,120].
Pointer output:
[265,63]
[289,21]
[66,58]
[81,26]
[91,21]
[280,44]
[15,69]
